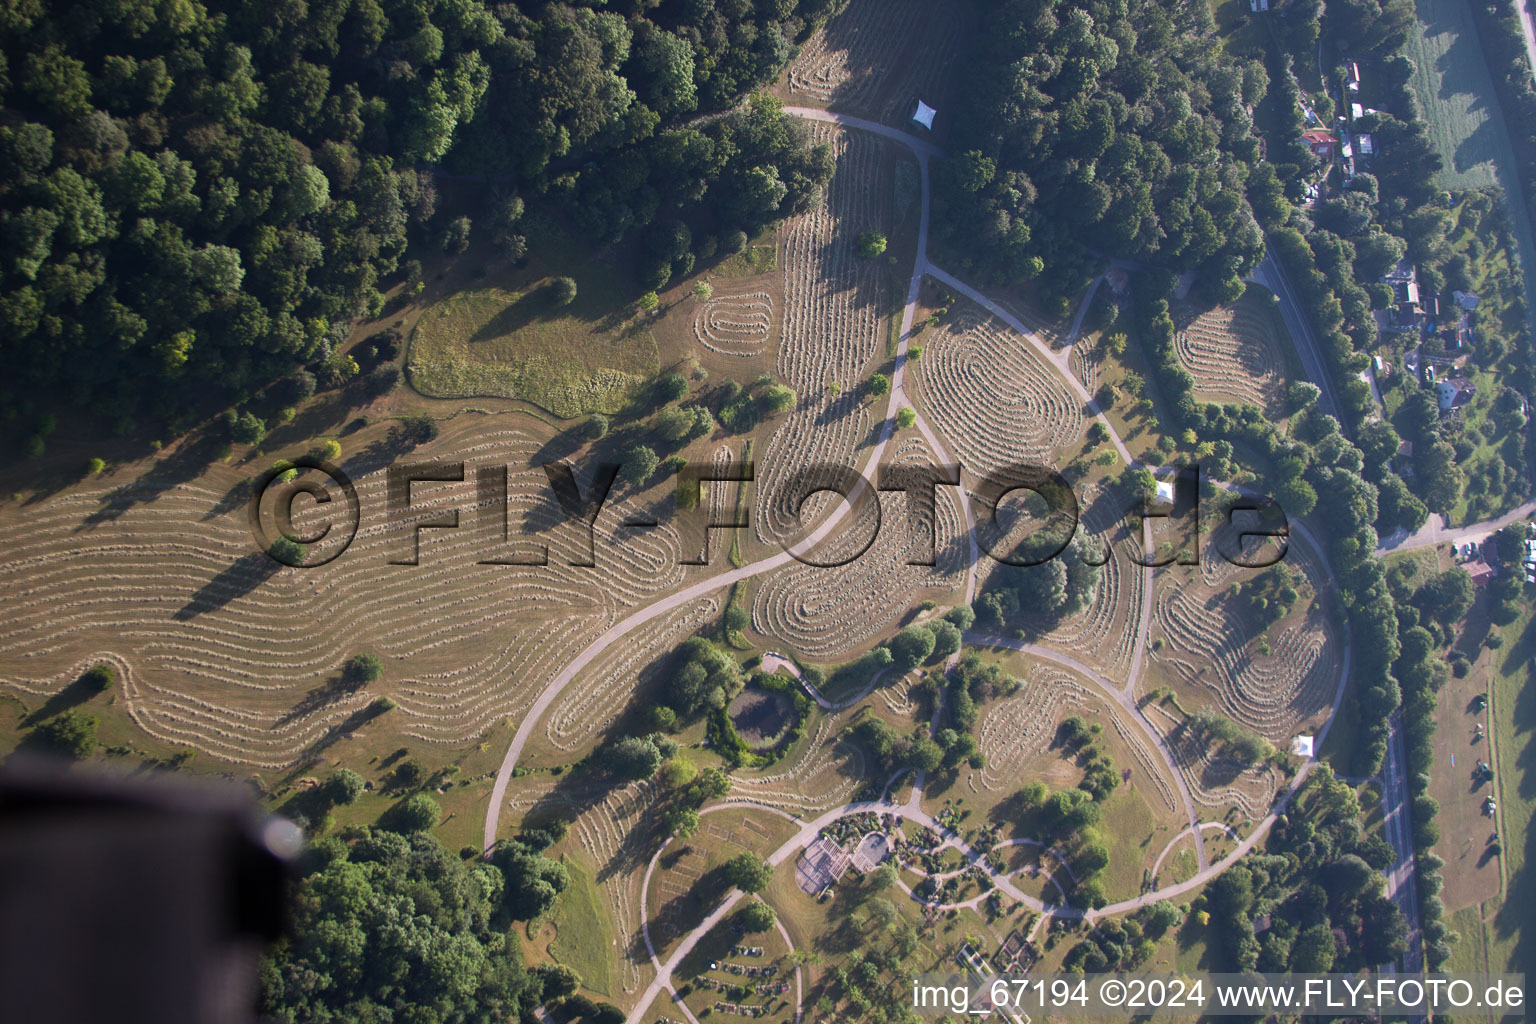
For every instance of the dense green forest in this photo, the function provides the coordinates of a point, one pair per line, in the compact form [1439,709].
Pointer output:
[1111,128]
[197,198]
[391,926]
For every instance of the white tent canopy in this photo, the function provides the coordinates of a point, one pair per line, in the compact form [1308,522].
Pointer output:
[924,115]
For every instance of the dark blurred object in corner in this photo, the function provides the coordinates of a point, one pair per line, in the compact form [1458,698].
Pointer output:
[134,899]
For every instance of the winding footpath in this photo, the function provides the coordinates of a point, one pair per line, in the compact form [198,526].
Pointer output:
[911,809]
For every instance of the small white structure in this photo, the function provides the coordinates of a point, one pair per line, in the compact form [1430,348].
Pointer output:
[1165,491]
[924,115]
[1301,746]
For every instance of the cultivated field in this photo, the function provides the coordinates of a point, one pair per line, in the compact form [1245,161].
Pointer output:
[1456,98]
[824,614]
[995,401]
[833,331]
[1461,112]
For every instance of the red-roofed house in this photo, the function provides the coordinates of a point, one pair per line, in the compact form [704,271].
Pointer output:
[1322,142]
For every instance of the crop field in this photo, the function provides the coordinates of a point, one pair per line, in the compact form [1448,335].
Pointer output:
[1207,650]
[1237,353]
[879,56]
[1456,98]
[1213,649]
[1104,633]
[1461,113]
[495,343]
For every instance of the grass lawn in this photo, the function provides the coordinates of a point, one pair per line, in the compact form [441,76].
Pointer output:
[583,936]
[571,360]
[1134,838]
[1513,715]
[1461,112]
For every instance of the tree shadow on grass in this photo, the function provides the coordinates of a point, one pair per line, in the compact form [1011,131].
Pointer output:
[235,581]
[185,463]
[76,693]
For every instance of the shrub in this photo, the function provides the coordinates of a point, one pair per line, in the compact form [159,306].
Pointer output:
[905,417]
[562,291]
[327,449]
[416,813]
[595,426]
[287,551]
[362,669]
[246,429]
[640,463]
[344,786]
[671,386]
[95,467]
[70,734]
[99,678]
[871,244]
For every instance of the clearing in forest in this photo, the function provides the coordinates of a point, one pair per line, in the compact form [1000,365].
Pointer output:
[494,343]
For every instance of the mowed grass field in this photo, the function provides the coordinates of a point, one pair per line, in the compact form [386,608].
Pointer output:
[1461,112]
[583,935]
[1496,935]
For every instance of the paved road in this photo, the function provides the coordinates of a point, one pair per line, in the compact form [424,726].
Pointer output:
[1435,531]
[1399,827]
[1271,275]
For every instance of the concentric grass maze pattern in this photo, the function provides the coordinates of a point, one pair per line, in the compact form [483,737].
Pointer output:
[592,703]
[832,331]
[219,647]
[994,398]
[1214,784]
[826,612]
[735,325]
[848,63]
[609,832]
[824,773]
[1232,352]
[1210,645]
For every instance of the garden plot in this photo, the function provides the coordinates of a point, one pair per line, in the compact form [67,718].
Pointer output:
[735,325]
[1237,353]
[878,56]
[227,653]
[833,330]
[995,401]
[824,613]
[1214,647]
